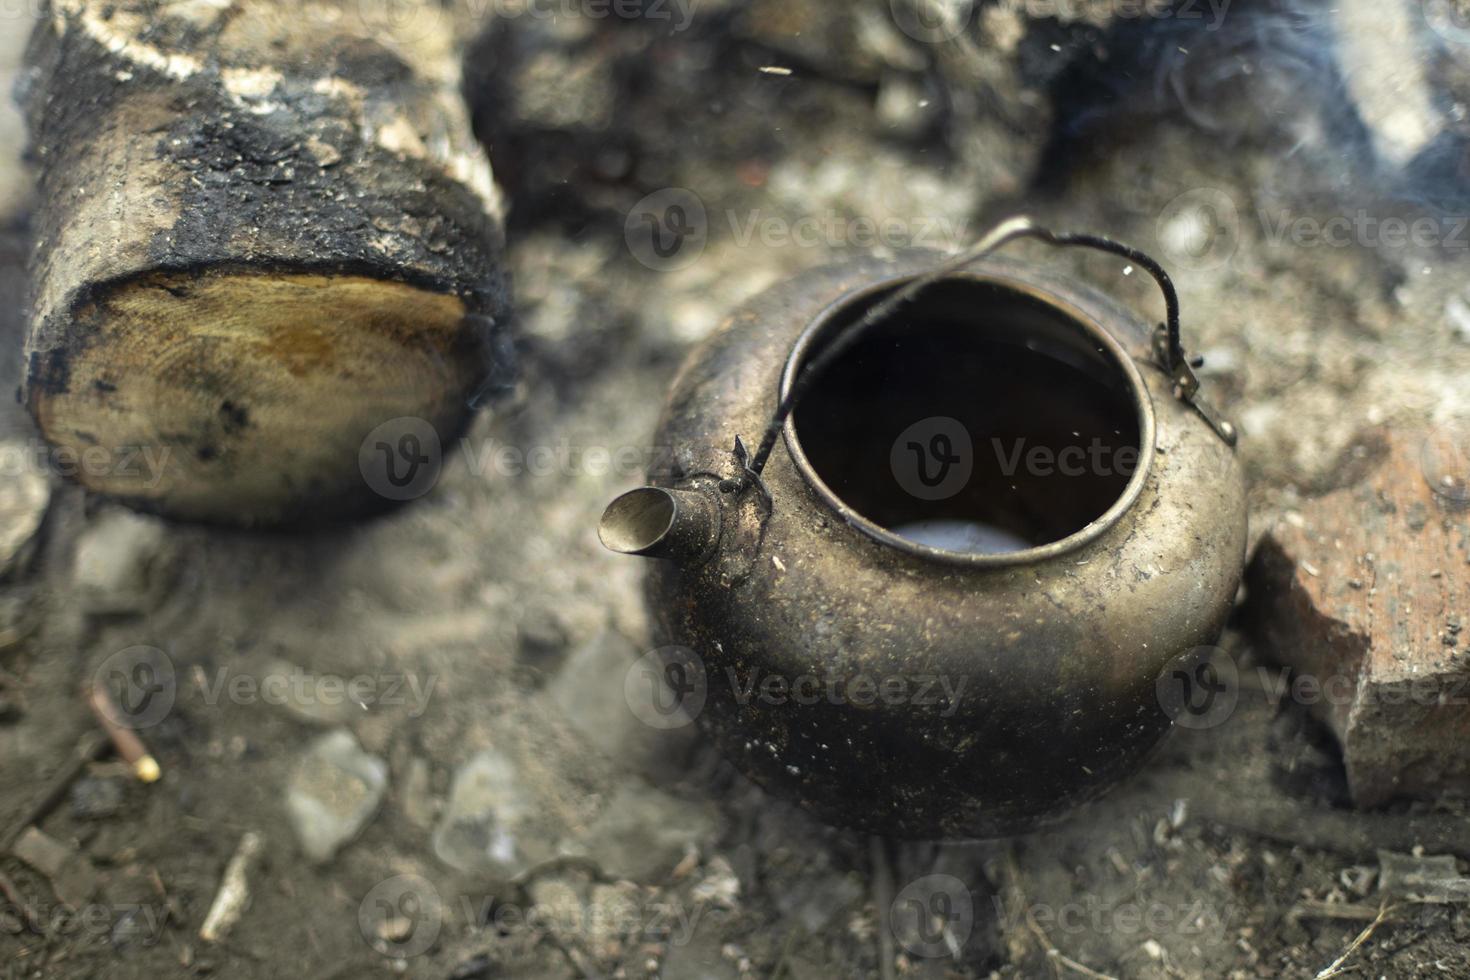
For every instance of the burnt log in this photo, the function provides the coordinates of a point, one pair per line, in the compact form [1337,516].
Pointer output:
[265,228]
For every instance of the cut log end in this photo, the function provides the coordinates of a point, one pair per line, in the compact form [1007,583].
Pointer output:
[264,229]
[240,397]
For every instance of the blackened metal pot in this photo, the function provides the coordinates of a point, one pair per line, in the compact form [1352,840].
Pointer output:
[936,599]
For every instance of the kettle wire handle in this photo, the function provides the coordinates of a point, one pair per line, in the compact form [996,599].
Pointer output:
[1168,349]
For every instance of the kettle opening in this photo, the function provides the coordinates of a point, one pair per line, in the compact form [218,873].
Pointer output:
[982,419]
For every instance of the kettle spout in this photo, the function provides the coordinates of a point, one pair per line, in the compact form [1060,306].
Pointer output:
[652,522]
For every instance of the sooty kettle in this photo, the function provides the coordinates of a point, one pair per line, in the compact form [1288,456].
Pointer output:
[988,510]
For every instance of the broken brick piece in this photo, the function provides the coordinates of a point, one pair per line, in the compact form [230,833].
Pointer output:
[1365,592]
[70,873]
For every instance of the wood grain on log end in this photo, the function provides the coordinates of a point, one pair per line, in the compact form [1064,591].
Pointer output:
[265,229]
[250,393]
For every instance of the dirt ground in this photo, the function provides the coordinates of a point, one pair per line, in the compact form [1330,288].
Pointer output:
[490,634]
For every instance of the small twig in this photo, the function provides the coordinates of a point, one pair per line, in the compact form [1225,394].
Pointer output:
[1053,955]
[129,746]
[1073,965]
[1336,911]
[883,899]
[1335,967]
[780,968]
[1250,809]
[89,746]
[234,891]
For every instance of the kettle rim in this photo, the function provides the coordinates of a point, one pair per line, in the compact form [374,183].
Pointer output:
[1073,310]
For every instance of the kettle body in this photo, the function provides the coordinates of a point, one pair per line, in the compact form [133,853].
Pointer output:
[986,532]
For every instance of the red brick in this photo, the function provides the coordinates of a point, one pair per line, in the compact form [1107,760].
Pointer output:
[1368,591]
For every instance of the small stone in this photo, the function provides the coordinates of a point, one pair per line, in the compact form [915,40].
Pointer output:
[119,563]
[644,833]
[333,793]
[309,698]
[25,494]
[474,968]
[68,870]
[138,926]
[904,109]
[325,154]
[592,692]
[719,887]
[1423,878]
[542,634]
[96,799]
[485,823]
